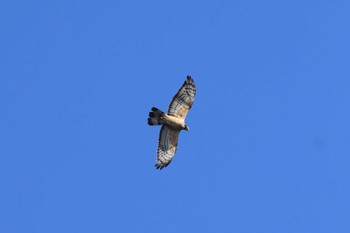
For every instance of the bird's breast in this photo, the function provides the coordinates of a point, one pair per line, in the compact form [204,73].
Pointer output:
[174,122]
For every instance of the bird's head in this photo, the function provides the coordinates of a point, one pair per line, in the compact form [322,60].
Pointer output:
[187,128]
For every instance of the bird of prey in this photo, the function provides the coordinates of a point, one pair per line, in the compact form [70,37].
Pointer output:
[172,122]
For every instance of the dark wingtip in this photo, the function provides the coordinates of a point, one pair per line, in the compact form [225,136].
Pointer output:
[159,166]
[189,79]
[151,114]
[149,121]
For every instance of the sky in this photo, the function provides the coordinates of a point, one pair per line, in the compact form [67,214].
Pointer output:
[268,149]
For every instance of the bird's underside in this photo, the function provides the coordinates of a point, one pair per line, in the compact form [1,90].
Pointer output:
[172,122]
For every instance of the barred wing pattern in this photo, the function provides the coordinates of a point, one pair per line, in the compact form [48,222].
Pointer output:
[183,100]
[167,145]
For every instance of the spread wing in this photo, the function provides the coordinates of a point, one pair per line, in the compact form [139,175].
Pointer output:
[183,100]
[167,145]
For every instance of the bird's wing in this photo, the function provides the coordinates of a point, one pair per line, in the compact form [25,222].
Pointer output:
[167,146]
[183,100]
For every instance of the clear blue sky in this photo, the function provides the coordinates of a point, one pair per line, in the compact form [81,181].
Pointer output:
[269,146]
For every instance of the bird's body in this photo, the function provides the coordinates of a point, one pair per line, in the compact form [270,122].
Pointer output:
[172,122]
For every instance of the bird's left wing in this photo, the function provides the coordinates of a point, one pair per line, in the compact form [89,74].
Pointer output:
[167,146]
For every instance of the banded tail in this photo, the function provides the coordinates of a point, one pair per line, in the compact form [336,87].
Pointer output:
[155,117]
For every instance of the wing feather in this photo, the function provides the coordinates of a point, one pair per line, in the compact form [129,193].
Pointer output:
[183,100]
[167,146]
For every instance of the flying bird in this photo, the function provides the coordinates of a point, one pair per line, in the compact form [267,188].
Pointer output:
[172,122]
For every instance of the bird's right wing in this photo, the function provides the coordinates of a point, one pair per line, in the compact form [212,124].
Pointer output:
[183,100]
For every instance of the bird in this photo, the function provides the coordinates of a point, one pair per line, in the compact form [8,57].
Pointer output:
[172,122]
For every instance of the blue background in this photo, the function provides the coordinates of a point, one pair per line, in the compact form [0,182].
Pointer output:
[269,144]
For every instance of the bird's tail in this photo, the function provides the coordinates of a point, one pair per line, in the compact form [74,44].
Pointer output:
[155,117]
